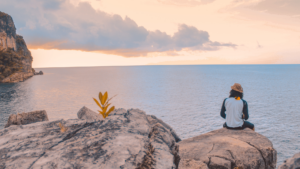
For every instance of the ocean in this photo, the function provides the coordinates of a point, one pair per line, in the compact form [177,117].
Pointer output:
[188,98]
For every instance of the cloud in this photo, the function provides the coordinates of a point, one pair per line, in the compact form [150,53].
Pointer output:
[281,7]
[186,2]
[59,24]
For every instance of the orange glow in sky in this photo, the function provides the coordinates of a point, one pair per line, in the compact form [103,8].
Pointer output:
[239,32]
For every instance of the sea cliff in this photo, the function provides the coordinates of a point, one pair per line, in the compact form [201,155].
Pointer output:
[15,58]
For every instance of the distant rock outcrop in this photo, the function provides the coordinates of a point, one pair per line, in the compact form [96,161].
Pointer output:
[227,149]
[127,139]
[291,163]
[39,73]
[15,58]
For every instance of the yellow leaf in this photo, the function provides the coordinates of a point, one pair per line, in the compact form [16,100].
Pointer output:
[101,113]
[104,98]
[107,104]
[110,110]
[100,96]
[97,103]
[111,98]
[105,108]
[62,127]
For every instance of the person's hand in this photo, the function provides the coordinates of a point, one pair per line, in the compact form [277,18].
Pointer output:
[243,117]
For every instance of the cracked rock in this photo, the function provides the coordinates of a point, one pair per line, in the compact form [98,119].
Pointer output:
[125,139]
[225,148]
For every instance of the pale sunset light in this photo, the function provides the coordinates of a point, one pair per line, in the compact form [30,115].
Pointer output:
[71,33]
[149,84]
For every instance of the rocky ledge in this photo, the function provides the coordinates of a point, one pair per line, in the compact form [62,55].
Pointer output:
[17,77]
[127,139]
[228,149]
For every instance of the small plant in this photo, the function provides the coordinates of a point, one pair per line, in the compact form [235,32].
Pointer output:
[238,167]
[62,127]
[104,104]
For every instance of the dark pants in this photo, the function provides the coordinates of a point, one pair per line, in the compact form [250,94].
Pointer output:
[246,124]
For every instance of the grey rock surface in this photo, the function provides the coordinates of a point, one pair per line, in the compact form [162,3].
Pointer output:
[89,115]
[291,163]
[226,148]
[27,118]
[126,139]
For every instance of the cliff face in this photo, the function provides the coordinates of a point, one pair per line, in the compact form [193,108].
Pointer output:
[15,58]
[7,32]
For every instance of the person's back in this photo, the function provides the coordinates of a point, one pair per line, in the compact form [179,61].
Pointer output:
[236,109]
[234,113]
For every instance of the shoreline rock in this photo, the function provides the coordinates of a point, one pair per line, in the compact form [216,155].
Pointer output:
[17,77]
[129,139]
[125,139]
[291,163]
[27,118]
[226,148]
[39,73]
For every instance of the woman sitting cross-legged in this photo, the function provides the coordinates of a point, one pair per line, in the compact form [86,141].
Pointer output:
[235,110]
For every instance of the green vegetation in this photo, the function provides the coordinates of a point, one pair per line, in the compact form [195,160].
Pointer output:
[104,104]
[10,62]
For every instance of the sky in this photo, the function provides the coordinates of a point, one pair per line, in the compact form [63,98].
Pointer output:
[80,33]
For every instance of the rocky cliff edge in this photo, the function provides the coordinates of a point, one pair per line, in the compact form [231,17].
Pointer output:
[15,58]
[127,139]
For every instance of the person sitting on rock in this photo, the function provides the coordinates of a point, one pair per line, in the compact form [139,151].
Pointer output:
[236,110]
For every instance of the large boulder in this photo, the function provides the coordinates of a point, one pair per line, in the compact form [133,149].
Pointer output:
[291,163]
[127,139]
[27,118]
[227,149]
[89,115]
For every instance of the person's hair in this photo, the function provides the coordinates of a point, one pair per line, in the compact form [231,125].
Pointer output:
[234,93]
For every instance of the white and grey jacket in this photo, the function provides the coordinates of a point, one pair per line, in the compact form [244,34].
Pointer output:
[235,109]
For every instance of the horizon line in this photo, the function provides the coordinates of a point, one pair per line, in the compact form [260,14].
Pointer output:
[164,65]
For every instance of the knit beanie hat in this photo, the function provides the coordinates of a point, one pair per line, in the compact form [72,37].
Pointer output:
[237,87]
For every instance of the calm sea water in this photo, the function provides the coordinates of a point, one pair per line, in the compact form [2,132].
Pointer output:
[188,98]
